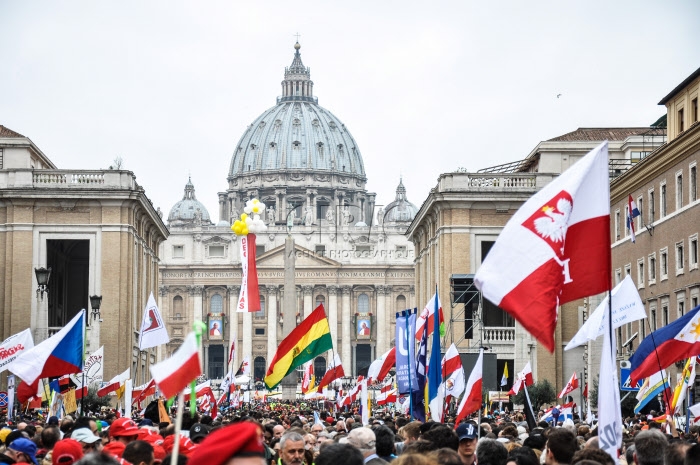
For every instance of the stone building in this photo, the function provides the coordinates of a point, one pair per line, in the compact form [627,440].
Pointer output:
[461,219]
[351,252]
[663,261]
[99,234]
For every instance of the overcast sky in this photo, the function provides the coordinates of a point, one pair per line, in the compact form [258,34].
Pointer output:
[424,87]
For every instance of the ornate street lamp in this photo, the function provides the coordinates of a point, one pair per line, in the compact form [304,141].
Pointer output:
[95,302]
[42,279]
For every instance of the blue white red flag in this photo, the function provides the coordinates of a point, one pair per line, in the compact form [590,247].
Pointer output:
[633,213]
[676,341]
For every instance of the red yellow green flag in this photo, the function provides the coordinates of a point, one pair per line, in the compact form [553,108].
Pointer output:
[307,341]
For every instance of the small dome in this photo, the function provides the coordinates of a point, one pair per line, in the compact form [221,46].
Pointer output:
[189,209]
[400,210]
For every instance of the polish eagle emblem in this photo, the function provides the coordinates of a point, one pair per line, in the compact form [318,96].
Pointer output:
[551,221]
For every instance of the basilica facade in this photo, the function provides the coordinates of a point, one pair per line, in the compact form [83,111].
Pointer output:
[351,253]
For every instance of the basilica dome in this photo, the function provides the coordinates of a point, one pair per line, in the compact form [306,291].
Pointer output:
[297,134]
[189,209]
[400,210]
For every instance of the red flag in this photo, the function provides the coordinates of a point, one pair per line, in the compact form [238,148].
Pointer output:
[555,249]
[335,371]
[585,391]
[523,378]
[380,367]
[471,402]
[570,386]
[141,392]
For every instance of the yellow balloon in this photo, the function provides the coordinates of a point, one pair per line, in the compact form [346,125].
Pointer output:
[244,216]
[244,232]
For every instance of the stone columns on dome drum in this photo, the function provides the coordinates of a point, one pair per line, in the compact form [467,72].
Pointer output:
[381,322]
[281,199]
[223,216]
[308,299]
[233,292]
[333,315]
[271,304]
[347,329]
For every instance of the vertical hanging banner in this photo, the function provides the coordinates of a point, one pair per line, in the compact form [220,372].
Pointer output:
[246,227]
[406,379]
[10,395]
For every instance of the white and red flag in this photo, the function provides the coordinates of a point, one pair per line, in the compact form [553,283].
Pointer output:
[387,394]
[114,383]
[524,378]
[380,367]
[334,371]
[308,381]
[570,386]
[471,402]
[175,373]
[354,392]
[427,315]
[205,398]
[249,297]
[452,384]
[139,393]
[555,248]
[153,331]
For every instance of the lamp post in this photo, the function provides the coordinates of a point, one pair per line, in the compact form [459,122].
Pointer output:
[42,279]
[95,303]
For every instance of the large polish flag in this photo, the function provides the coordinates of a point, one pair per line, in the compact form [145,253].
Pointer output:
[523,378]
[555,249]
[174,374]
[380,367]
[471,402]
[335,371]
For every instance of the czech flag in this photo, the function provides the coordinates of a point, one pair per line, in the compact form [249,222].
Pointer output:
[662,348]
[61,354]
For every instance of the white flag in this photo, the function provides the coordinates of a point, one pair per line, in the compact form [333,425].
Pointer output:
[153,330]
[13,346]
[626,307]
[609,415]
[94,367]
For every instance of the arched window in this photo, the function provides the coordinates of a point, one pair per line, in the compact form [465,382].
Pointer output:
[216,304]
[259,368]
[400,303]
[261,313]
[319,368]
[177,307]
[363,303]
[320,300]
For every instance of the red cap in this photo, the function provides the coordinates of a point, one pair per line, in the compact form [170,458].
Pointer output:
[159,453]
[66,449]
[150,437]
[225,443]
[123,427]
[115,449]
[186,446]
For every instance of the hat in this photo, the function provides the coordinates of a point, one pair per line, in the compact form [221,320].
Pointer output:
[53,421]
[67,451]
[150,437]
[198,431]
[330,420]
[145,422]
[186,446]
[159,453]
[3,433]
[84,435]
[467,431]
[25,446]
[225,443]
[114,448]
[123,427]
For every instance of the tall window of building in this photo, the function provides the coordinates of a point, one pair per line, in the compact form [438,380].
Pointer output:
[693,183]
[662,213]
[651,205]
[681,307]
[652,319]
[693,251]
[216,304]
[640,207]
[617,224]
[694,109]
[664,315]
[492,314]
[681,121]
[694,301]
[663,255]
[320,300]
[640,273]
[177,307]
[679,191]
[363,303]
[260,313]
[627,215]
[618,276]
[642,329]
[628,269]
[259,368]
[652,269]
[680,259]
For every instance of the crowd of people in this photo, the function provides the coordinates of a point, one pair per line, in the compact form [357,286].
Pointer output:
[294,434]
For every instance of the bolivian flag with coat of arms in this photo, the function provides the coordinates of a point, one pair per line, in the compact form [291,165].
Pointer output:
[307,341]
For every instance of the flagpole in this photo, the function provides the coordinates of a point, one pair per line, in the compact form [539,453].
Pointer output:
[580,391]
[178,421]
[409,337]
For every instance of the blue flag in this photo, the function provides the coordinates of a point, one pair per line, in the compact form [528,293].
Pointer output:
[405,352]
[435,367]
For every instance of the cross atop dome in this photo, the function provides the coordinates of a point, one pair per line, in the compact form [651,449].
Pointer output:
[297,84]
